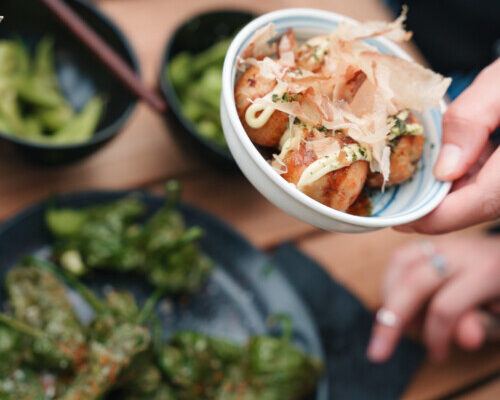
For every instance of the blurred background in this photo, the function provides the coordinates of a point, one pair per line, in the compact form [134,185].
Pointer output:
[457,38]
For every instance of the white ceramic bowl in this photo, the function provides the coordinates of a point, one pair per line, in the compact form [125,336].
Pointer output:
[398,205]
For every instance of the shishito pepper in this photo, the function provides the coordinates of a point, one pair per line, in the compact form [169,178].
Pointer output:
[196,363]
[22,383]
[162,249]
[272,369]
[107,361]
[266,368]
[39,300]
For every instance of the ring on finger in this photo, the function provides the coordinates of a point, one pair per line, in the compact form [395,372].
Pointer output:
[437,260]
[388,318]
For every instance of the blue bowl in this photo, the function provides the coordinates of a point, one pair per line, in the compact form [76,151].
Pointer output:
[396,206]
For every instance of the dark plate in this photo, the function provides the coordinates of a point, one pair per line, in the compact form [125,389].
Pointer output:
[81,75]
[195,35]
[236,301]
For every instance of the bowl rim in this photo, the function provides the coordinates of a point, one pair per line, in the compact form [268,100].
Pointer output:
[168,90]
[239,133]
[109,131]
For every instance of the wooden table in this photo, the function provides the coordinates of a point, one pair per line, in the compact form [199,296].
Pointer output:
[144,156]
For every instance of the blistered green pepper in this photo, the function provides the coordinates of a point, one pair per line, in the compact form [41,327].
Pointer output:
[107,361]
[21,383]
[273,369]
[162,249]
[39,300]
[196,363]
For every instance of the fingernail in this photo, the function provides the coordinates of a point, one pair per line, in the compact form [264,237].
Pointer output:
[377,349]
[448,162]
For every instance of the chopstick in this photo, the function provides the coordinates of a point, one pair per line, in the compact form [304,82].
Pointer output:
[105,53]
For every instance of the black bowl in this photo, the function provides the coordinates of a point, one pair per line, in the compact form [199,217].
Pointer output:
[194,36]
[81,75]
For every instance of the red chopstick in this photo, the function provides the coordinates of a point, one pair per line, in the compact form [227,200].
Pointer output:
[105,53]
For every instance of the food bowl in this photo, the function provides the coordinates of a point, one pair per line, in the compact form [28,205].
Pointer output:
[80,74]
[396,206]
[195,35]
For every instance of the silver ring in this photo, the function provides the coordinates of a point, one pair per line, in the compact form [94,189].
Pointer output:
[438,261]
[388,318]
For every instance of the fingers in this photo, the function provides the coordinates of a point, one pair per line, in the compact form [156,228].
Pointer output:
[383,341]
[471,176]
[450,281]
[468,123]
[465,292]
[470,330]
[469,205]
[405,299]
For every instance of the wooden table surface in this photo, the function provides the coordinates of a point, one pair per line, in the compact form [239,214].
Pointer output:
[144,156]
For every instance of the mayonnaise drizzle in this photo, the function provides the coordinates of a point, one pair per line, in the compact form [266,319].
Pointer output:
[324,165]
[258,122]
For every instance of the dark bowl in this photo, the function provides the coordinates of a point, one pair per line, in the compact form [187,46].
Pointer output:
[194,36]
[81,75]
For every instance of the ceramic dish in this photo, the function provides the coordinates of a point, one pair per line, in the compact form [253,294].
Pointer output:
[235,302]
[396,206]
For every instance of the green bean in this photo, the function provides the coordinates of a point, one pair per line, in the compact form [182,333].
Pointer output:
[55,118]
[32,106]
[82,126]
[198,82]
[180,69]
[213,55]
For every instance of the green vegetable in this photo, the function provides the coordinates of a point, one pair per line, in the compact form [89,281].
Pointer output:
[36,348]
[196,363]
[401,127]
[180,69]
[10,350]
[46,353]
[56,118]
[198,82]
[32,106]
[21,383]
[82,126]
[39,300]
[107,361]
[200,366]
[108,237]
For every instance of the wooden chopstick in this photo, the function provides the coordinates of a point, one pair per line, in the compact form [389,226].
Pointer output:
[105,53]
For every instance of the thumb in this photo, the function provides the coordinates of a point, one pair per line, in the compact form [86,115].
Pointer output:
[467,124]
